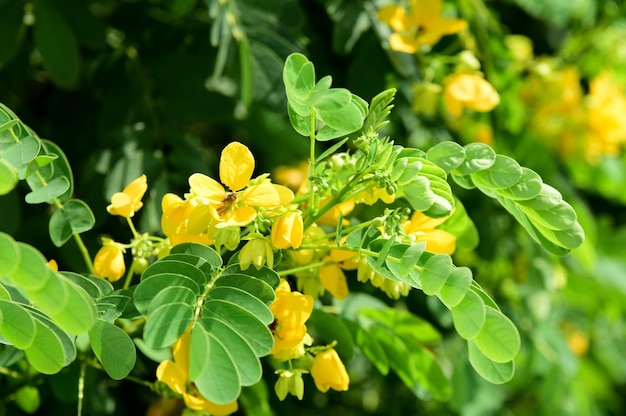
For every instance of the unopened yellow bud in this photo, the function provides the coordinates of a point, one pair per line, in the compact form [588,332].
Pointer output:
[258,251]
[329,372]
[109,261]
[287,230]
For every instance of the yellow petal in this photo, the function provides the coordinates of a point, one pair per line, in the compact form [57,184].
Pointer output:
[267,195]
[202,185]
[438,241]
[109,263]
[220,409]
[403,43]
[328,371]
[334,280]
[121,205]
[236,166]
[425,11]
[395,17]
[136,189]
[171,374]
[181,351]
[199,218]
[240,216]
[53,265]
[420,222]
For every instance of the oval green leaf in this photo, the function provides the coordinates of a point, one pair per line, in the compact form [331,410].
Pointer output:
[469,315]
[114,349]
[504,173]
[435,273]
[496,373]
[498,339]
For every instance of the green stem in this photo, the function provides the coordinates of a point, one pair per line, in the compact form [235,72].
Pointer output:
[79,241]
[306,267]
[347,230]
[335,200]
[132,228]
[81,388]
[311,164]
[129,276]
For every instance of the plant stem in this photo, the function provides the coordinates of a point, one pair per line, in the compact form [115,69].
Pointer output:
[81,388]
[311,163]
[129,276]
[293,270]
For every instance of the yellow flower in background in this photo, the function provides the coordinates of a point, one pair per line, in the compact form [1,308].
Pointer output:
[291,310]
[237,206]
[422,25]
[469,91]
[127,202]
[176,373]
[287,230]
[605,117]
[331,217]
[334,280]
[109,261]
[328,372]
[422,228]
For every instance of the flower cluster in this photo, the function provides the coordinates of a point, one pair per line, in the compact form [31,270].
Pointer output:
[255,222]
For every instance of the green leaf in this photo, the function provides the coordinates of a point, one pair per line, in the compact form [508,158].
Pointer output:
[95,287]
[21,154]
[504,173]
[370,347]
[435,273]
[496,373]
[114,349]
[456,286]
[301,124]
[244,299]
[53,296]
[201,250]
[16,325]
[265,274]
[478,156]
[528,187]
[46,354]
[447,155]
[10,255]
[256,287]
[178,265]
[409,258]
[547,198]
[559,217]
[167,323]
[248,364]
[498,339]
[398,354]
[430,376]
[8,177]
[79,313]
[74,218]
[212,368]
[56,43]
[27,399]
[404,323]
[148,288]
[255,332]
[54,189]
[32,272]
[330,328]
[469,315]
[60,168]
[173,294]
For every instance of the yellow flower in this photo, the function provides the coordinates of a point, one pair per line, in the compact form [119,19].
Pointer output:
[127,202]
[331,217]
[175,374]
[422,25]
[422,228]
[329,372]
[291,310]
[109,261]
[53,265]
[175,221]
[605,117]
[257,251]
[287,230]
[469,91]
[334,280]
[237,205]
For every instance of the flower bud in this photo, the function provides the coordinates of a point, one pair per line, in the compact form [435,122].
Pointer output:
[287,230]
[328,371]
[109,261]
[258,251]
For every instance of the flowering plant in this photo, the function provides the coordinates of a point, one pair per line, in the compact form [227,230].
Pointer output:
[252,272]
